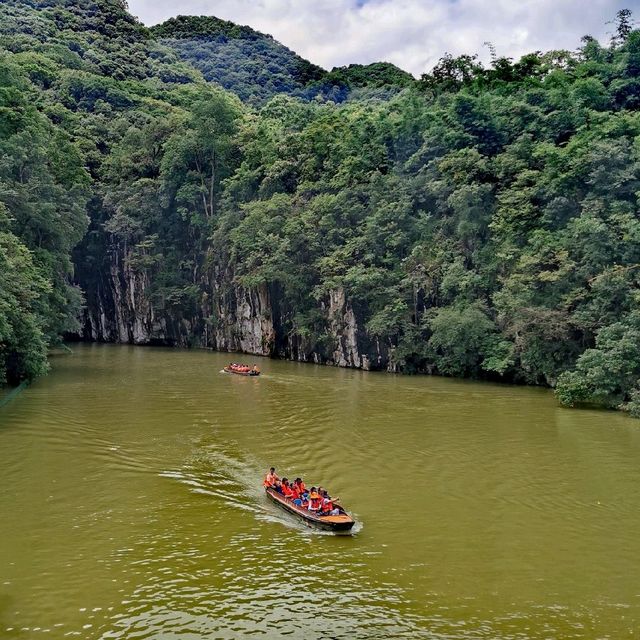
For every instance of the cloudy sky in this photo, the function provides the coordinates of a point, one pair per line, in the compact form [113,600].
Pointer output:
[413,34]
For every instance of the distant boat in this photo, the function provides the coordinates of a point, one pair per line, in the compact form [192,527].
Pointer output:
[241,372]
[338,523]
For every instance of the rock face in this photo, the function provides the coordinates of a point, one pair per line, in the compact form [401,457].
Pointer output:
[121,308]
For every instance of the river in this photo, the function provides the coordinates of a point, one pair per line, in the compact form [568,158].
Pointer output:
[131,505]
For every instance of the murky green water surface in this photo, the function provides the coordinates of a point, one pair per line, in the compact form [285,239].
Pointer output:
[131,506]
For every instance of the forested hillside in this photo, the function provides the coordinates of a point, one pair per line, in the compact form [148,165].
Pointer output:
[482,222]
[256,67]
[73,78]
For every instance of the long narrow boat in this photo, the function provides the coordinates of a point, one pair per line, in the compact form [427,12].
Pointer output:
[250,373]
[339,523]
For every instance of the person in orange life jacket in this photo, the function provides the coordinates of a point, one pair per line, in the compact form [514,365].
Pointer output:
[325,502]
[295,494]
[287,492]
[301,488]
[315,501]
[328,507]
[270,478]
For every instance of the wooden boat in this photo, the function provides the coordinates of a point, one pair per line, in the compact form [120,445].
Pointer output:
[338,523]
[250,373]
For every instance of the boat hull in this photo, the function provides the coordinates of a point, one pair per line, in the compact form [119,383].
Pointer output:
[249,374]
[339,524]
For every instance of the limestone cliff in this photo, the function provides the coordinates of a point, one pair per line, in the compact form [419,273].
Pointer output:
[122,308]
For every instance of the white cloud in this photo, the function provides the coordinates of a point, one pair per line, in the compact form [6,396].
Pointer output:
[413,34]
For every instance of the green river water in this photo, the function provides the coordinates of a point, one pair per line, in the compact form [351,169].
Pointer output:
[131,505]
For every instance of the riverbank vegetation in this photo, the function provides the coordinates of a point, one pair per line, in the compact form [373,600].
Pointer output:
[482,221]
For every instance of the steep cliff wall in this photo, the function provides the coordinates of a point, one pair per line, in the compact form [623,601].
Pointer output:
[122,308]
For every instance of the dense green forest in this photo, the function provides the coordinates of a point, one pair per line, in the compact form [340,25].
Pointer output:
[256,68]
[482,221]
[72,79]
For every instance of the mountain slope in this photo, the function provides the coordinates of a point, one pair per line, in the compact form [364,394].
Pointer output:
[256,67]
[249,63]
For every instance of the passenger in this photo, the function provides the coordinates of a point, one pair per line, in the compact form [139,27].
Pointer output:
[315,502]
[322,493]
[328,506]
[296,496]
[255,369]
[270,478]
[278,487]
[287,492]
[301,488]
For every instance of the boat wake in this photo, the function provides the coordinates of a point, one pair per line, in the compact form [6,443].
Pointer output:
[238,484]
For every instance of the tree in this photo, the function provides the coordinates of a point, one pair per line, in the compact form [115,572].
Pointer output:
[450,73]
[624,26]
[460,339]
[23,344]
[199,157]
[609,374]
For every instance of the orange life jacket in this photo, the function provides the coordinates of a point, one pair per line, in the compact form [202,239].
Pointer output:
[315,503]
[270,480]
[295,492]
[286,491]
[327,504]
